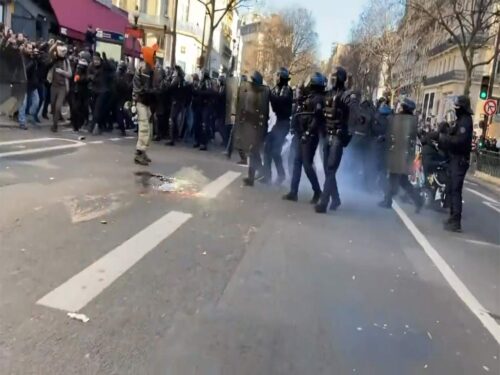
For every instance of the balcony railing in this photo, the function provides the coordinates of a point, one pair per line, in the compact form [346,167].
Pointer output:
[190,28]
[443,46]
[452,75]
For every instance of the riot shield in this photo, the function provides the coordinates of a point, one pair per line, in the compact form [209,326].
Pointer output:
[362,122]
[252,114]
[401,140]
[231,99]
[12,78]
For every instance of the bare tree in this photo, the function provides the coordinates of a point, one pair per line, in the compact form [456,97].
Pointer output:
[468,24]
[216,14]
[379,41]
[289,41]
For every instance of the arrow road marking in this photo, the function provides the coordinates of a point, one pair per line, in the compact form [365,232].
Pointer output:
[73,144]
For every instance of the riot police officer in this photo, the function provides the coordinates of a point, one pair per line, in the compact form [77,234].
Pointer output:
[254,150]
[281,102]
[458,143]
[308,125]
[399,159]
[338,103]
[206,94]
[178,92]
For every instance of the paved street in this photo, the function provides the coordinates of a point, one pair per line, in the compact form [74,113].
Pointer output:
[213,278]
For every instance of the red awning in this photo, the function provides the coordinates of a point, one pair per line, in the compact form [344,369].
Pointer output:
[76,15]
[132,47]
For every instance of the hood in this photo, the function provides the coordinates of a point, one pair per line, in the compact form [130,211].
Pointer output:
[149,55]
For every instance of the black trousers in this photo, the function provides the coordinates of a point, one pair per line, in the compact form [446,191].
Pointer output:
[255,163]
[332,156]
[79,111]
[304,157]
[273,147]
[458,169]
[394,182]
[101,109]
[176,121]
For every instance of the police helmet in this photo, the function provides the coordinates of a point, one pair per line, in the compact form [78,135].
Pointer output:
[339,75]
[316,80]
[205,74]
[257,78]
[462,103]
[283,74]
[407,105]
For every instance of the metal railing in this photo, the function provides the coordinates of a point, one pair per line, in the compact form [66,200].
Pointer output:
[488,162]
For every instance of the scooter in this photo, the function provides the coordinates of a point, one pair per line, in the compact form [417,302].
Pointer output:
[435,189]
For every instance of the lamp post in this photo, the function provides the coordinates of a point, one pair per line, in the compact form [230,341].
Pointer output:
[135,15]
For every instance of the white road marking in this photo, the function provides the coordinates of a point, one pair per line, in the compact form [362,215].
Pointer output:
[215,187]
[115,139]
[485,197]
[482,243]
[493,205]
[456,284]
[96,142]
[82,288]
[18,141]
[470,183]
[74,144]
[129,137]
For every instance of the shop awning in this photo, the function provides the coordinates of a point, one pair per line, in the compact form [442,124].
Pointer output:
[74,17]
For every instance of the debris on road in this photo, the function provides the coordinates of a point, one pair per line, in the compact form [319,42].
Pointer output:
[204,253]
[486,368]
[81,317]
[429,334]
[51,178]
[354,277]
[81,138]
[359,329]
[167,187]
[104,222]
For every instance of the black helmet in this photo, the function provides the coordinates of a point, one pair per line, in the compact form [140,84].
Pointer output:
[257,78]
[283,74]
[407,106]
[338,77]
[122,67]
[316,80]
[462,104]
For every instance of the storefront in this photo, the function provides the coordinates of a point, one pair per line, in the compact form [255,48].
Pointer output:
[108,21]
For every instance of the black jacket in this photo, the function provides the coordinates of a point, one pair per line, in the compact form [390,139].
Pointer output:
[458,142]
[281,102]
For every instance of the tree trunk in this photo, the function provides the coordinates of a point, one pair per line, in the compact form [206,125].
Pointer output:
[468,80]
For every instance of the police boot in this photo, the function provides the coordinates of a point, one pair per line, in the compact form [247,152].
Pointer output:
[320,209]
[316,197]
[247,181]
[385,204]
[290,197]
[203,148]
[453,226]
[146,157]
[140,159]
[334,205]
[170,143]
[53,129]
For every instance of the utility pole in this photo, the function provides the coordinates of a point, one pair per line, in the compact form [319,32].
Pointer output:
[489,119]
[174,35]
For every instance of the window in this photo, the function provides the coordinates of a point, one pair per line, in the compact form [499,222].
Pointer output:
[1,13]
[143,7]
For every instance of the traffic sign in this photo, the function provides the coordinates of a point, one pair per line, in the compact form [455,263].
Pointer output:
[490,107]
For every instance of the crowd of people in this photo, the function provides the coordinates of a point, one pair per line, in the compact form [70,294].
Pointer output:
[163,104]
[104,94]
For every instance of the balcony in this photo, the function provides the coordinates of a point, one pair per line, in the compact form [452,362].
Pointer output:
[453,75]
[189,28]
[448,44]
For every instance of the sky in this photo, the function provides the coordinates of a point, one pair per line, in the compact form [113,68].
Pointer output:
[333,18]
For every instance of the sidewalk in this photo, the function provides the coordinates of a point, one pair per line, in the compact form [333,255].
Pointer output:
[6,122]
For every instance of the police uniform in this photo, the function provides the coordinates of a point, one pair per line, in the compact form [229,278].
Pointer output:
[458,144]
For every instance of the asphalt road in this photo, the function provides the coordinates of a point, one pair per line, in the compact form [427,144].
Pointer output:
[216,279]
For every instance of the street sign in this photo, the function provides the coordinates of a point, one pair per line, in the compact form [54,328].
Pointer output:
[490,107]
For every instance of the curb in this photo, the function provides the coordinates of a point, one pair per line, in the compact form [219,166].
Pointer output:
[495,181]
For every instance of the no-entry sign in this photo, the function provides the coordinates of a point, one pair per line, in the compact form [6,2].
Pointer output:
[490,107]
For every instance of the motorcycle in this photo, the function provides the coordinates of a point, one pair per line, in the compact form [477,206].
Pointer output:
[435,190]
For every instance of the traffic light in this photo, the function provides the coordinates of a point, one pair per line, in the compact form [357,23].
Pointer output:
[485,84]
